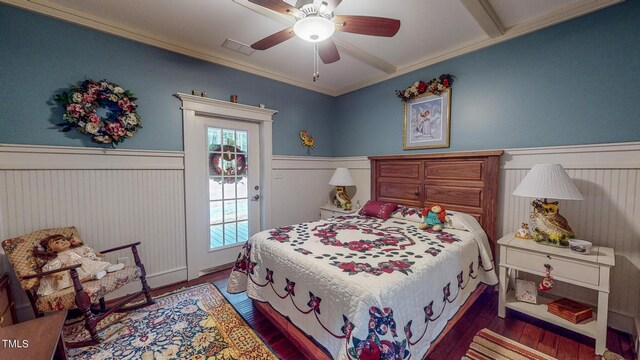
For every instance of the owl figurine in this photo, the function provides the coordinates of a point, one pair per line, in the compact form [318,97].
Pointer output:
[548,225]
[343,200]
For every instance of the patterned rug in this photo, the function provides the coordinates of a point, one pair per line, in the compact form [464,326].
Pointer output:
[191,323]
[488,345]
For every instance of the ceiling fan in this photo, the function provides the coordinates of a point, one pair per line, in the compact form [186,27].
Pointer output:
[315,22]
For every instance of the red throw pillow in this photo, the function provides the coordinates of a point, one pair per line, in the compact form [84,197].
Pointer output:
[379,209]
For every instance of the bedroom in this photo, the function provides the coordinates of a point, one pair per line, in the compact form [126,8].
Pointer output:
[562,94]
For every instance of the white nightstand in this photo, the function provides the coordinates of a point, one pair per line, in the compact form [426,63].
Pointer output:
[329,211]
[589,271]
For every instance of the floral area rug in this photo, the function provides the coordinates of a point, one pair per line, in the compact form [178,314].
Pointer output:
[191,323]
[488,345]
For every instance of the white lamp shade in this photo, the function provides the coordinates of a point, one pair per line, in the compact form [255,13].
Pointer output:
[314,28]
[341,177]
[548,181]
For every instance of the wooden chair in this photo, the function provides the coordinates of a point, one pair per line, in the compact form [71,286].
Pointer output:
[86,297]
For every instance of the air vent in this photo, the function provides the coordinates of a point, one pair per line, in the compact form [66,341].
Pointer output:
[238,47]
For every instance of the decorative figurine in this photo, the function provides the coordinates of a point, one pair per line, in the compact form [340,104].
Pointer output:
[548,225]
[203,94]
[308,141]
[194,92]
[343,198]
[523,232]
[547,281]
[233,98]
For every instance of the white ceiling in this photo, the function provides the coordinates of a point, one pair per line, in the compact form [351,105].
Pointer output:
[431,31]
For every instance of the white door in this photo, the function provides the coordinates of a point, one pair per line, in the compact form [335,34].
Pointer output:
[227,163]
[230,173]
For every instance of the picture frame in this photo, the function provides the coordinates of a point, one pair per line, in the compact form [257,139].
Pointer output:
[427,121]
[526,291]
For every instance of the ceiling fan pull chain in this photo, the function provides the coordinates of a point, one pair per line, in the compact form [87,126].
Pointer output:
[316,72]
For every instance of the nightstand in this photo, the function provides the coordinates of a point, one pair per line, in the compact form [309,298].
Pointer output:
[589,271]
[329,211]
[40,338]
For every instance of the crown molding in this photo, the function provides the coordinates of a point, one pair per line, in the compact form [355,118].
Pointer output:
[51,9]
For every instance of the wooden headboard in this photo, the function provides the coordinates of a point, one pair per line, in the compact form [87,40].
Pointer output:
[462,181]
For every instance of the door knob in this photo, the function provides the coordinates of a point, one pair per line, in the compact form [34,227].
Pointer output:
[255,198]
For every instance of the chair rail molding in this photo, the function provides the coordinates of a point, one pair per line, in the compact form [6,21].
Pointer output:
[44,157]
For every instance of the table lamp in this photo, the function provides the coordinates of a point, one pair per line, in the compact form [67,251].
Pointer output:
[341,179]
[546,181]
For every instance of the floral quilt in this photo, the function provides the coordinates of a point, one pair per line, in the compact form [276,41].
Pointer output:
[366,288]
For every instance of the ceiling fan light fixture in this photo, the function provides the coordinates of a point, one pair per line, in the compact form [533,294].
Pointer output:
[314,28]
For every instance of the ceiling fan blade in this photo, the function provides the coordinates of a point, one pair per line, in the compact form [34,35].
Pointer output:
[277,6]
[367,25]
[330,5]
[328,51]
[274,39]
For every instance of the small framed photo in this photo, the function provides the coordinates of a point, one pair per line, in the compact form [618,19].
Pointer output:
[526,291]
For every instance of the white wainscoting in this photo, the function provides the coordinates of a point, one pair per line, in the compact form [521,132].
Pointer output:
[300,185]
[114,197]
[608,176]
[118,196]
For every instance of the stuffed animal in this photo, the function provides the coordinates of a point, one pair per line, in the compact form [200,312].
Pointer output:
[65,256]
[434,217]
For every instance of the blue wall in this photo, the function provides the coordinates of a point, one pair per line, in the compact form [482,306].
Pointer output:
[574,83]
[40,56]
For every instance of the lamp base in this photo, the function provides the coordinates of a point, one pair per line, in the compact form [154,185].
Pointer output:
[547,225]
[343,200]
[540,239]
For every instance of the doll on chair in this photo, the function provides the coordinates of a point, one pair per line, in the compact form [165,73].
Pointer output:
[91,269]
[78,247]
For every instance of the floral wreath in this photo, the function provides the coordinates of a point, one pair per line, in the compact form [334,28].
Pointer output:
[82,102]
[435,86]
[226,152]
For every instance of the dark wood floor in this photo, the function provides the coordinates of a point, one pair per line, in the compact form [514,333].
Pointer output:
[531,332]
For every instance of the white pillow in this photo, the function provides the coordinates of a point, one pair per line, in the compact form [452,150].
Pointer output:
[408,213]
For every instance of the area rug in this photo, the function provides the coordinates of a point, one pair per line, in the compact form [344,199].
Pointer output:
[191,323]
[489,345]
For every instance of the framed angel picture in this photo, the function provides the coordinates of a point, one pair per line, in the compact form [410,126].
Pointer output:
[427,121]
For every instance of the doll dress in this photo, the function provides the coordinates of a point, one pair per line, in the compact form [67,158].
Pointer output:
[62,280]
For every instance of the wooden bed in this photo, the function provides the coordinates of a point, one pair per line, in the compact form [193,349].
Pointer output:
[462,181]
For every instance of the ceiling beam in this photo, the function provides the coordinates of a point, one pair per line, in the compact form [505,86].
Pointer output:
[364,56]
[485,16]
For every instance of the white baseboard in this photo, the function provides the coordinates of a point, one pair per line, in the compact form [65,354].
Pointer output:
[622,322]
[154,280]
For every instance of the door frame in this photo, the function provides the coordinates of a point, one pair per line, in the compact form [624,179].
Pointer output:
[193,106]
